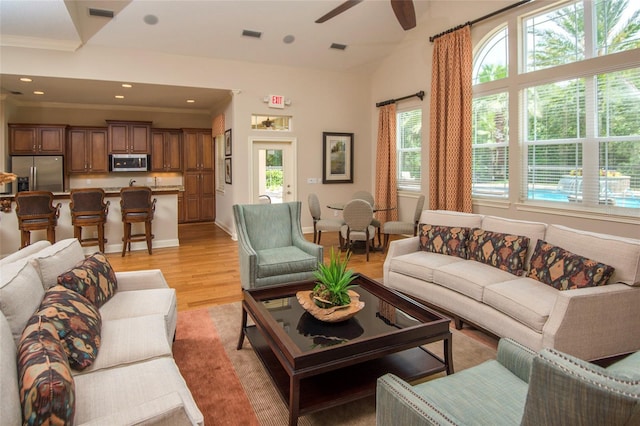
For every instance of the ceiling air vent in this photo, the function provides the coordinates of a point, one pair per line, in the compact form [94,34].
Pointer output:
[338,46]
[103,13]
[249,33]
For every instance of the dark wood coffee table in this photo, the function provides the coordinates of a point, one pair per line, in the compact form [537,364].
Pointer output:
[316,365]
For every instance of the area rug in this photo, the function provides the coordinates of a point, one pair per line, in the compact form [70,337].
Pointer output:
[232,387]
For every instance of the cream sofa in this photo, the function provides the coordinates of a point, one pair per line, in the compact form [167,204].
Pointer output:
[590,323]
[134,378]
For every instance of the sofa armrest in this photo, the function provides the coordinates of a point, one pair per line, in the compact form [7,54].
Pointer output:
[399,248]
[167,410]
[398,404]
[141,280]
[516,358]
[607,315]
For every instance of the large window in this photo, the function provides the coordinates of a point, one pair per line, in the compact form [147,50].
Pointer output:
[409,146]
[578,132]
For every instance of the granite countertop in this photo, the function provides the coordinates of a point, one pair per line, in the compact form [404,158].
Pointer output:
[114,190]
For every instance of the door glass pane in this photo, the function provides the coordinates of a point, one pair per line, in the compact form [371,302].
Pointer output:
[271,174]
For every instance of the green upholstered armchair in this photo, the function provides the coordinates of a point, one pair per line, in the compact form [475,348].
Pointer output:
[271,247]
[520,387]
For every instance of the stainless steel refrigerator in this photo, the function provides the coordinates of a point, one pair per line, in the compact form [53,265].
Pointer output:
[38,173]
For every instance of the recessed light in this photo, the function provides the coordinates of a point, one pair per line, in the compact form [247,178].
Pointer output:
[127,85]
[26,79]
[119,97]
[150,19]
[38,92]
[288,39]
[191,101]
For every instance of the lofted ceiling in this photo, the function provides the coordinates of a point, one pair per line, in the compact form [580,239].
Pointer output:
[201,28]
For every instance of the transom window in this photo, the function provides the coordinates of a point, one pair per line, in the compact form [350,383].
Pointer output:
[578,130]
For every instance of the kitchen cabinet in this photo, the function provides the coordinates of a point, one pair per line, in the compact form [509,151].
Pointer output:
[87,150]
[198,149]
[129,137]
[36,139]
[199,196]
[166,150]
[180,207]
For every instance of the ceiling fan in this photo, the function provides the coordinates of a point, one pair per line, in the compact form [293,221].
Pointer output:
[403,9]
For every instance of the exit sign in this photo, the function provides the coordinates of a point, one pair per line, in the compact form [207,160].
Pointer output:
[276,101]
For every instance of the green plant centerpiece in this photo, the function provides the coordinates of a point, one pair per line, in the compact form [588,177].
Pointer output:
[332,299]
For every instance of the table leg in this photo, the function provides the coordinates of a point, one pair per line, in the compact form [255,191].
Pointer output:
[448,353]
[242,327]
[294,400]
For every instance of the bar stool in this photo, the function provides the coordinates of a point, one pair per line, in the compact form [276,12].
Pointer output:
[89,209]
[35,211]
[137,207]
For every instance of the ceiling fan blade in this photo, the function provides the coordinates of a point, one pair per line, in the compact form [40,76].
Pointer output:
[405,13]
[338,10]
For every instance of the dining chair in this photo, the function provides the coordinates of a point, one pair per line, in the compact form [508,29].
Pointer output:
[35,211]
[358,215]
[368,197]
[88,208]
[137,207]
[403,228]
[319,224]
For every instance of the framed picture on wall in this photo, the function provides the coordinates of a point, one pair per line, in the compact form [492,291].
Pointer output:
[337,157]
[227,143]
[227,170]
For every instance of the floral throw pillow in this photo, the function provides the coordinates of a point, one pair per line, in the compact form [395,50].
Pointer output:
[77,321]
[503,251]
[47,390]
[93,278]
[564,270]
[449,240]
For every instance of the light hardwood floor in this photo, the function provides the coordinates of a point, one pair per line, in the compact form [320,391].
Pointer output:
[204,268]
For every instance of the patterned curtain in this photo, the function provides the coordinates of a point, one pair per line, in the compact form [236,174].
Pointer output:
[450,132]
[386,188]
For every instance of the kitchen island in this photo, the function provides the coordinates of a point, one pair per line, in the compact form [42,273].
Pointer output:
[165,222]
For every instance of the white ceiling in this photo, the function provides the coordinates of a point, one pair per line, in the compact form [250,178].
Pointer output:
[205,28]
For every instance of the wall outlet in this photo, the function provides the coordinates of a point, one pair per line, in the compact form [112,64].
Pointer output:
[311,180]
[335,212]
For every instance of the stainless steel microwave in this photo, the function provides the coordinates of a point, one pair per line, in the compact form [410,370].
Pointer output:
[129,163]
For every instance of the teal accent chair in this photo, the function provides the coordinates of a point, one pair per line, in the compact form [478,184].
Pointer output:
[520,387]
[271,247]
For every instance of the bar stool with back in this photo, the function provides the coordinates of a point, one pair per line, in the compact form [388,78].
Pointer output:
[88,208]
[137,207]
[35,211]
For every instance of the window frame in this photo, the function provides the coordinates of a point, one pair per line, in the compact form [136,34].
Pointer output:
[402,184]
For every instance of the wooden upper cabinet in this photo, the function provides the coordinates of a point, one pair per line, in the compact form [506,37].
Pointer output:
[198,149]
[36,139]
[129,137]
[87,150]
[166,150]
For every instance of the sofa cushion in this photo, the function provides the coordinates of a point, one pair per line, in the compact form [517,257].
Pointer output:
[56,259]
[20,294]
[469,277]
[284,260]
[451,218]
[420,264]
[130,340]
[25,252]
[523,299]
[47,392]
[78,323]
[93,278]
[621,253]
[502,251]
[449,240]
[9,392]
[564,270]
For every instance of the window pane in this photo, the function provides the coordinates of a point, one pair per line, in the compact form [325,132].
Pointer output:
[491,62]
[618,23]
[490,130]
[409,134]
[554,172]
[620,173]
[554,38]
[619,103]
[556,111]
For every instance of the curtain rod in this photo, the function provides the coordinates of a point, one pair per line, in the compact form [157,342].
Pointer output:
[420,95]
[475,21]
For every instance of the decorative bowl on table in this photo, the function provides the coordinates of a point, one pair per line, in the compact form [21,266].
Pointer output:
[333,313]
